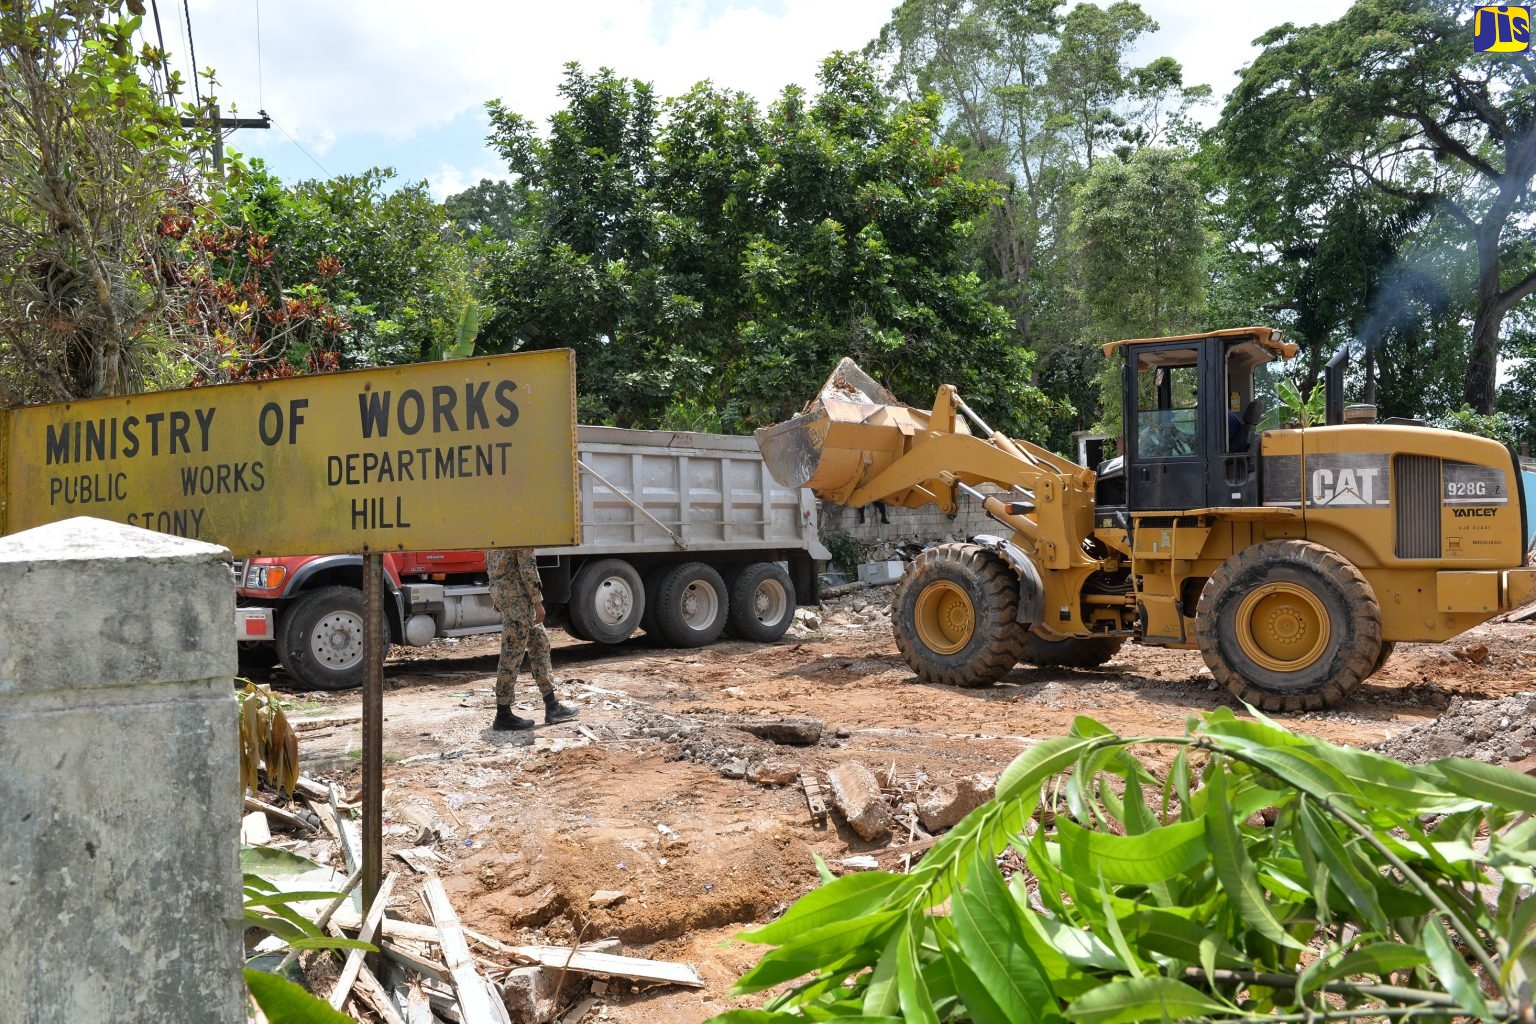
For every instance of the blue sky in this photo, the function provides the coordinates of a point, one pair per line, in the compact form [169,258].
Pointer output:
[352,84]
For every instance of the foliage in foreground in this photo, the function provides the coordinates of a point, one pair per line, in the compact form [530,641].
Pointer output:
[1259,876]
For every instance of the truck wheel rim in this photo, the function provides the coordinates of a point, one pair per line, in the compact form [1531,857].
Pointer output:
[337,640]
[1283,627]
[615,601]
[945,618]
[769,602]
[700,605]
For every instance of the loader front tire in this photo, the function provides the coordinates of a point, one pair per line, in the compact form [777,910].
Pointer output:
[1289,625]
[953,616]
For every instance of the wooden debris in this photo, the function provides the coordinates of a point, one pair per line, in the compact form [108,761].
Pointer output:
[579,1011]
[311,724]
[377,998]
[286,817]
[413,957]
[611,964]
[475,1004]
[254,830]
[311,789]
[418,1010]
[814,798]
[586,731]
[325,918]
[422,859]
[349,970]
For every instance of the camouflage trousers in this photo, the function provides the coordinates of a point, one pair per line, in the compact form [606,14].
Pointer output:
[520,636]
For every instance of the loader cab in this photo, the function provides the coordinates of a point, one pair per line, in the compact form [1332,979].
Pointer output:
[1190,421]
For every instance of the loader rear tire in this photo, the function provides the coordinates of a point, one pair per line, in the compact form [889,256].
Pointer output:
[953,616]
[1289,625]
[1073,652]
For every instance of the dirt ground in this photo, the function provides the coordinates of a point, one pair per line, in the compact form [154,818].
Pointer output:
[650,793]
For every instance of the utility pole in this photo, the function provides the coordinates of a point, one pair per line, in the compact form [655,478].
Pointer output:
[222,123]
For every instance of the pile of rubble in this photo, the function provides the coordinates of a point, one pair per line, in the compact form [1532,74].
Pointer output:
[438,972]
[1496,731]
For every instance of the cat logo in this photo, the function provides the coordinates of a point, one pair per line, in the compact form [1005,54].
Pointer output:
[1346,486]
[1501,29]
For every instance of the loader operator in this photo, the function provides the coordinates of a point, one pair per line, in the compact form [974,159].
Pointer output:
[518,595]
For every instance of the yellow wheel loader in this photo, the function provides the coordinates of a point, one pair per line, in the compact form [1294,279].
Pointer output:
[1292,558]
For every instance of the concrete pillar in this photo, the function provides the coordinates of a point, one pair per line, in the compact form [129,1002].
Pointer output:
[119,790]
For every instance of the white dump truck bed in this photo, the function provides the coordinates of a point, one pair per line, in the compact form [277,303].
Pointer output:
[676,491]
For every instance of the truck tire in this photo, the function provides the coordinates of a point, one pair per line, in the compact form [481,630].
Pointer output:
[691,605]
[1072,652]
[1387,647]
[762,602]
[607,601]
[320,639]
[1289,625]
[953,616]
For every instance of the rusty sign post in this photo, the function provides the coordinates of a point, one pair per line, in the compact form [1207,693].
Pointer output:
[465,453]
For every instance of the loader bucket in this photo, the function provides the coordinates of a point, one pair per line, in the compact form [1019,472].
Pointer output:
[852,427]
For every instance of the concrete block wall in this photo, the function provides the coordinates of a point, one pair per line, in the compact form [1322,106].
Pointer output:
[119,780]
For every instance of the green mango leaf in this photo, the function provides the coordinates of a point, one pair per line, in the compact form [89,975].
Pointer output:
[847,897]
[916,1006]
[278,899]
[851,943]
[1154,856]
[1343,865]
[1487,783]
[1235,869]
[1040,762]
[880,994]
[1076,946]
[265,860]
[1177,937]
[1378,958]
[283,1002]
[1452,970]
[997,949]
[1136,999]
[331,942]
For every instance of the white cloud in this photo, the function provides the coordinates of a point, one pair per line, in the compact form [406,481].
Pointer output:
[450,179]
[392,68]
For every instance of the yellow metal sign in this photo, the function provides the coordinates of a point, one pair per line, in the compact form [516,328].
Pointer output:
[468,453]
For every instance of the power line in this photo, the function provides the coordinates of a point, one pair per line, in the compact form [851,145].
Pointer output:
[301,149]
[165,58]
[197,90]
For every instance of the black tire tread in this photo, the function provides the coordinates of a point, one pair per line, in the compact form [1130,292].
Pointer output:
[1071,652]
[669,621]
[293,650]
[583,590]
[1002,638]
[742,621]
[1353,663]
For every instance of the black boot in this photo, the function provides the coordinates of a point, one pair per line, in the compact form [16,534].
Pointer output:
[507,720]
[554,711]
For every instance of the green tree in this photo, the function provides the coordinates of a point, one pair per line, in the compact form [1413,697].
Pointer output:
[492,209]
[94,154]
[373,275]
[716,260]
[1139,238]
[1391,98]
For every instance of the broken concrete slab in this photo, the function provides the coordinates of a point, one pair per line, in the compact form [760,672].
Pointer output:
[775,771]
[790,731]
[945,805]
[856,794]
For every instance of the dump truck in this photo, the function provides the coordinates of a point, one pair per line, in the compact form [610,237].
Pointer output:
[1292,558]
[683,534]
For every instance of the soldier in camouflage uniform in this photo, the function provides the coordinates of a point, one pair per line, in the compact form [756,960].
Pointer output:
[517,594]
